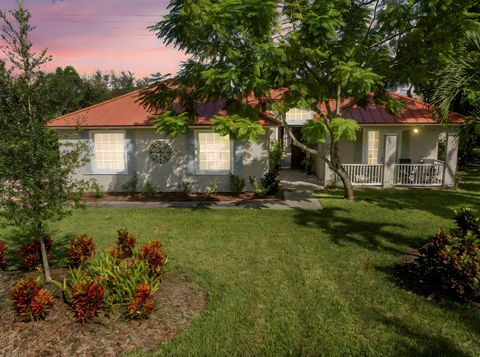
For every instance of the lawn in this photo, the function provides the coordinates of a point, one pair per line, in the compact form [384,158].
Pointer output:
[305,283]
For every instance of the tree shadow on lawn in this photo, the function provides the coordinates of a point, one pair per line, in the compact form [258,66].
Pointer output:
[415,341]
[440,203]
[343,230]
[403,276]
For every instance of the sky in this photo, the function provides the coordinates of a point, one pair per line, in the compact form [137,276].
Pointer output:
[101,34]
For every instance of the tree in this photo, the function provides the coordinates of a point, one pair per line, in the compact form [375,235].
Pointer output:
[64,90]
[420,36]
[36,182]
[459,82]
[320,50]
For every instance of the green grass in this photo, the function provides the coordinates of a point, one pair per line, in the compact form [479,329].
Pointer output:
[305,283]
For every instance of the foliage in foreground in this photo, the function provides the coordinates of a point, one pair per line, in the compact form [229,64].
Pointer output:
[37,184]
[125,245]
[30,302]
[80,249]
[451,260]
[30,254]
[122,285]
[3,255]
[87,299]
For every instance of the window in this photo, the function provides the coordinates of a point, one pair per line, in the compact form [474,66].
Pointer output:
[373,141]
[109,152]
[214,152]
[296,114]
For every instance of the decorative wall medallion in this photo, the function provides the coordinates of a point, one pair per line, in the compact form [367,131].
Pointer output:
[160,152]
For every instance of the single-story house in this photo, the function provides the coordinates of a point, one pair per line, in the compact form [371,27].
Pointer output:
[410,149]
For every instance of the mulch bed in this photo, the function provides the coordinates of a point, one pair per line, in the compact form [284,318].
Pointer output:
[176,303]
[177,197]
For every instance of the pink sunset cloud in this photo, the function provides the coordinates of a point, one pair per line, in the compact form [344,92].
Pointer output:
[106,35]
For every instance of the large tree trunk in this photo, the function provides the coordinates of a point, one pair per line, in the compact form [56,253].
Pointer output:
[336,165]
[347,183]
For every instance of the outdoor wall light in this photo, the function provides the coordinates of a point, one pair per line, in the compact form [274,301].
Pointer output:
[416,131]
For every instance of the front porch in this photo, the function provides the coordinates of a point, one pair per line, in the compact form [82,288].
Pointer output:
[404,174]
[387,157]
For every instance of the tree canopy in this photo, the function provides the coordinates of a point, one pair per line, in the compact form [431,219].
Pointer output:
[331,55]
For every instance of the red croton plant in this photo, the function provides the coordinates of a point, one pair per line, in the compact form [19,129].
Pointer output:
[30,253]
[125,245]
[87,300]
[154,257]
[142,304]
[80,249]
[3,255]
[31,302]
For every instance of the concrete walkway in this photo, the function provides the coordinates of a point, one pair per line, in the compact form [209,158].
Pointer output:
[298,194]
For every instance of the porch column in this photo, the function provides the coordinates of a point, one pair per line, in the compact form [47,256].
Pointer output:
[451,154]
[390,150]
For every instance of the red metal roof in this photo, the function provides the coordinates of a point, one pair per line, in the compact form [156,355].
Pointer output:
[126,110]
[415,112]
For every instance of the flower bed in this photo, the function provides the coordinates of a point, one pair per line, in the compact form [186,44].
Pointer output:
[61,334]
[178,197]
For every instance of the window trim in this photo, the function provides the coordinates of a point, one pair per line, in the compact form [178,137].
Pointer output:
[95,170]
[197,157]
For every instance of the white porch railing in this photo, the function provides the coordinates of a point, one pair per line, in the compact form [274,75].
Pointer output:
[362,174]
[419,174]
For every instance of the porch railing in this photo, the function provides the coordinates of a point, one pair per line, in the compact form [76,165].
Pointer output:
[362,174]
[419,174]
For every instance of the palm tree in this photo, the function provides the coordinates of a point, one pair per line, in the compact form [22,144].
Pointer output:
[460,80]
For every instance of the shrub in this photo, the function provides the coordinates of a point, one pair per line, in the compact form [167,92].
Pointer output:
[131,185]
[30,302]
[149,190]
[87,299]
[3,255]
[237,183]
[98,189]
[80,249]
[451,260]
[125,245]
[276,155]
[213,188]
[466,221]
[142,304]
[271,180]
[256,186]
[31,254]
[184,186]
[154,257]
[120,280]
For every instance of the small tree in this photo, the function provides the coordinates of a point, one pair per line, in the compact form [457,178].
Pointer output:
[36,182]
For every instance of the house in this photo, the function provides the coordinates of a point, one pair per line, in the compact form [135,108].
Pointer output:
[410,149]
[123,143]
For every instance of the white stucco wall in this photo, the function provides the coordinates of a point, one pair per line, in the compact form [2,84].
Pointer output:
[167,176]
